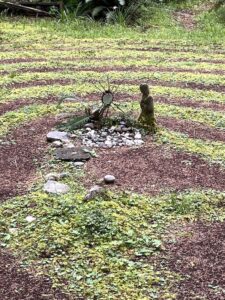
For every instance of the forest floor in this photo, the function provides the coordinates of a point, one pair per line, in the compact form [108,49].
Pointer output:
[159,232]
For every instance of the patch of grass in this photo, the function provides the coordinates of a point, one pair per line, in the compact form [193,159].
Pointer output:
[110,247]
[103,247]
[181,77]
[211,151]
[84,88]
[14,119]
[124,62]
[161,26]
[208,117]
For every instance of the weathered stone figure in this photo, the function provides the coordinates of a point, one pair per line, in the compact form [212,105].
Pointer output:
[147,117]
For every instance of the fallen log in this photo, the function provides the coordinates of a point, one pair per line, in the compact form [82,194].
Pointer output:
[31,10]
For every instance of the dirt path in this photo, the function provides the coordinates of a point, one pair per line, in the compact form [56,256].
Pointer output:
[18,164]
[186,18]
[119,97]
[193,129]
[177,84]
[19,160]
[117,69]
[153,169]
[18,284]
[198,255]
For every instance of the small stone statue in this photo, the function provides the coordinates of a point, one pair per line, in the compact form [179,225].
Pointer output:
[147,118]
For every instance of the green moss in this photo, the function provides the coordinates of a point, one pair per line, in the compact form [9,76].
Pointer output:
[209,150]
[14,119]
[181,77]
[106,248]
[103,247]
[205,116]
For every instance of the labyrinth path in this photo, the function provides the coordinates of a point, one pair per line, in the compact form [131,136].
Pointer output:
[187,82]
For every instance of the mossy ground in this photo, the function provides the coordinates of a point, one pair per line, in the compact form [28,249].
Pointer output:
[113,246]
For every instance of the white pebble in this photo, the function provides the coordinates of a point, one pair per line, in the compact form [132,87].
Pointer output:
[137,136]
[109,179]
[30,219]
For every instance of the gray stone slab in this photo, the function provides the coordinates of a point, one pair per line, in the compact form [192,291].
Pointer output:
[72,154]
[53,136]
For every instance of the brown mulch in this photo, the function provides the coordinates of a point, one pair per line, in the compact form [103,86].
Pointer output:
[191,103]
[160,46]
[18,284]
[20,60]
[32,83]
[183,85]
[198,255]
[179,84]
[20,159]
[115,68]
[172,49]
[119,97]
[193,129]
[16,104]
[154,169]
[213,105]
[199,60]
[71,59]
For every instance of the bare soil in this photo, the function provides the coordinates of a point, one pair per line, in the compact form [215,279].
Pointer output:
[20,60]
[119,69]
[186,18]
[154,169]
[119,97]
[19,160]
[198,255]
[16,104]
[193,129]
[183,85]
[18,284]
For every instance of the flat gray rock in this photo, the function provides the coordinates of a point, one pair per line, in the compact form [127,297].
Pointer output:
[53,136]
[72,154]
[55,187]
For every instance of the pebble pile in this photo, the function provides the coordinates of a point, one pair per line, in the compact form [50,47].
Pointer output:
[110,137]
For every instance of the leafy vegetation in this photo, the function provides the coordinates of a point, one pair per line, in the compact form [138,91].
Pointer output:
[106,246]
[111,247]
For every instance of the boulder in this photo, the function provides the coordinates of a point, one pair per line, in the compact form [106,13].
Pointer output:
[54,187]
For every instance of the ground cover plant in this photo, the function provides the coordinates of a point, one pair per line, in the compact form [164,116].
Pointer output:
[158,232]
